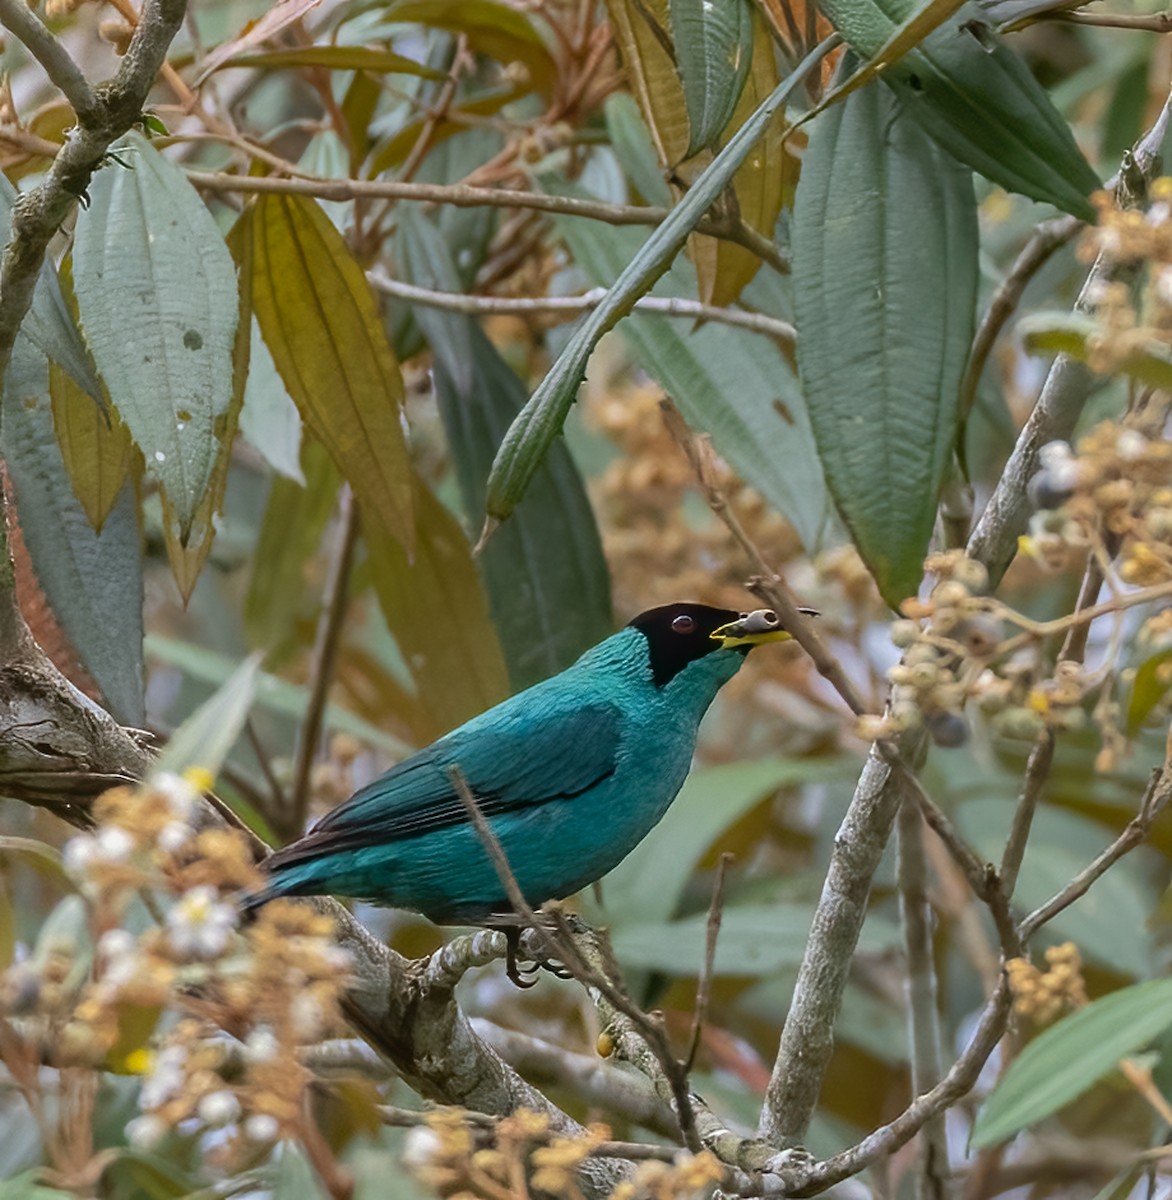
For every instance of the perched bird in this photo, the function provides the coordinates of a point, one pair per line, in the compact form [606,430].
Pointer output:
[570,775]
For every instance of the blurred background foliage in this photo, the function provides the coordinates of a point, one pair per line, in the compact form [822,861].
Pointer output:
[297,464]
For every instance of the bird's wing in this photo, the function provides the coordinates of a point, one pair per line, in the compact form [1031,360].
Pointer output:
[520,758]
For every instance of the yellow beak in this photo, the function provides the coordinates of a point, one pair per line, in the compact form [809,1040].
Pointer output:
[752,629]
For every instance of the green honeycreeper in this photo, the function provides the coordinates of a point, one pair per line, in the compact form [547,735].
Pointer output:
[570,774]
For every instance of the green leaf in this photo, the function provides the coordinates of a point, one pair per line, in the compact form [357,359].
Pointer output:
[1110,922]
[147,1177]
[92,581]
[43,858]
[269,421]
[280,697]
[187,554]
[540,421]
[548,582]
[322,327]
[734,385]
[492,28]
[156,291]
[885,245]
[976,98]
[336,58]
[294,520]
[27,1187]
[1070,1057]
[631,143]
[463,672]
[714,47]
[649,883]
[754,940]
[1073,333]
[1151,685]
[206,737]
[294,1178]
[50,324]
[395,149]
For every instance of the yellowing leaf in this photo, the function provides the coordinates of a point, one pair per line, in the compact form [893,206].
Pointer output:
[642,31]
[283,13]
[499,30]
[94,445]
[763,183]
[395,150]
[435,607]
[295,517]
[320,323]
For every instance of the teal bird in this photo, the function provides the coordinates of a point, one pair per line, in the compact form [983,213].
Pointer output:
[570,774]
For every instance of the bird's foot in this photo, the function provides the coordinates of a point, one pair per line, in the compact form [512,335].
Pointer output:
[521,977]
[526,976]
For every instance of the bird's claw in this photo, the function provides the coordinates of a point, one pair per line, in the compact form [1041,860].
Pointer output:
[526,977]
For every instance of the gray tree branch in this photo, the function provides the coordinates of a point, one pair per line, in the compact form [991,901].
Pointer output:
[19,19]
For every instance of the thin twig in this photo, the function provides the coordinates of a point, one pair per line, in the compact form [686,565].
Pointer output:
[769,584]
[63,72]
[1037,773]
[959,1081]
[276,791]
[982,878]
[466,196]
[1047,238]
[437,112]
[704,984]
[923,1009]
[321,672]
[1153,22]
[671,306]
[1155,799]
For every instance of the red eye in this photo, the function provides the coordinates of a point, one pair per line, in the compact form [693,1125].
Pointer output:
[683,624]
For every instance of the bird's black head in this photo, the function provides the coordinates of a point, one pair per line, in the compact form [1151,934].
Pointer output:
[678,634]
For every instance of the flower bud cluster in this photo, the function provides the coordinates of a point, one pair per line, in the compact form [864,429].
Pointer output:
[212,1021]
[941,638]
[1118,488]
[1043,996]
[452,1157]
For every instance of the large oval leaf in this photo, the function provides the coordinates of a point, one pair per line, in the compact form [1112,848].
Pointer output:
[885,276]
[977,99]
[1062,1063]
[156,293]
[321,325]
[548,582]
[92,581]
[714,47]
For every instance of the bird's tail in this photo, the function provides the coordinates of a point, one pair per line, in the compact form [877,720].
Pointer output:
[249,902]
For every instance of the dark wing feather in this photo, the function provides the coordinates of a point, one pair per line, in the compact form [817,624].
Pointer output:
[523,756]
